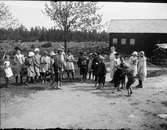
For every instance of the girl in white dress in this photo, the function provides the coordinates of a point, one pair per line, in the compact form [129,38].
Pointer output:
[45,66]
[37,63]
[141,69]
[7,69]
[70,65]
[134,62]
[112,61]
[30,67]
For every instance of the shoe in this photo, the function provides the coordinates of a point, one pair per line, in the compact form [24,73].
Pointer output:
[139,86]
[111,81]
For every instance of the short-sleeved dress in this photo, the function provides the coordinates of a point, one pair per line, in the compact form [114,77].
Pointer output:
[7,69]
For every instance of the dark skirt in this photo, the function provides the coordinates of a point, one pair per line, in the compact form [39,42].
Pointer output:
[83,70]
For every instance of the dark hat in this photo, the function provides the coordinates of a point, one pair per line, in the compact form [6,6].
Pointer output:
[18,48]
[117,54]
[81,53]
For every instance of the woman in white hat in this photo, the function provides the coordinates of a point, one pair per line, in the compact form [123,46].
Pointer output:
[133,62]
[141,69]
[30,66]
[37,63]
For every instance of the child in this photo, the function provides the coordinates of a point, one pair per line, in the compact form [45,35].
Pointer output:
[30,67]
[19,60]
[45,65]
[123,75]
[130,76]
[37,63]
[119,75]
[134,62]
[70,65]
[57,67]
[52,58]
[112,59]
[61,57]
[83,64]
[101,72]
[7,70]
[90,66]
[95,64]
[141,69]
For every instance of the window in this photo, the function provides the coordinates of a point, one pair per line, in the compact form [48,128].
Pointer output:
[115,40]
[132,41]
[123,41]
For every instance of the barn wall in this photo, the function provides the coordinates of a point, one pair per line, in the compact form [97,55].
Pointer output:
[143,41]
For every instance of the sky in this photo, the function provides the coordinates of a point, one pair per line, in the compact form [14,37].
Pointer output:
[29,13]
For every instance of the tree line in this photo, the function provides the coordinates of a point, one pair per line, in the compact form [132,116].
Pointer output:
[52,34]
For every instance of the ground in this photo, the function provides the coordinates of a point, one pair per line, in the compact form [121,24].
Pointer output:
[80,105]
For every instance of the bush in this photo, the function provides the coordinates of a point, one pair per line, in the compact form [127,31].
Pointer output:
[47,45]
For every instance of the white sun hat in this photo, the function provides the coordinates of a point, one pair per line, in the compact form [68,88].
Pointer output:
[36,49]
[101,57]
[30,54]
[52,53]
[135,53]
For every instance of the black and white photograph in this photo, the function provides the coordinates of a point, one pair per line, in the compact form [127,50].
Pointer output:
[83,65]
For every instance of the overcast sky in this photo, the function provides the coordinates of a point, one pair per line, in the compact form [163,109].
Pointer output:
[29,13]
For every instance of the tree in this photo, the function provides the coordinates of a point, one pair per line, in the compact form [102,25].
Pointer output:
[70,16]
[6,18]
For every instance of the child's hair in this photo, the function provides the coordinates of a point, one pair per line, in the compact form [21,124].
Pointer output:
[7,56]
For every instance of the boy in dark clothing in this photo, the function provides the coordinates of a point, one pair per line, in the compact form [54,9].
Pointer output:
[57,68]
[119,75]
[95,64]
[131,79]
[83,65]
[101,73]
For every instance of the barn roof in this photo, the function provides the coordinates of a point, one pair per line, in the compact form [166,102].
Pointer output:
[137,26]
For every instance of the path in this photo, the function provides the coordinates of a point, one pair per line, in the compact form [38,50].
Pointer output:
[79,105]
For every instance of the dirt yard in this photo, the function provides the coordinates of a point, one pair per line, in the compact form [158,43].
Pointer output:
[80,105]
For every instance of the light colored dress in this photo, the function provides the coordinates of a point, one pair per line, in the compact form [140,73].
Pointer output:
[30,67]
[70,64]
[61,61]
[133,64]
[7,69]
[112,59]
[142,68]
[45,63]
[90,65]
[37,64]
[19,60]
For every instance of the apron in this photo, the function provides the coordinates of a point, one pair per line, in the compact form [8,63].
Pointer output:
[8,70]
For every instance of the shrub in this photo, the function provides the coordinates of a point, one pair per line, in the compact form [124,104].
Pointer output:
[47,45]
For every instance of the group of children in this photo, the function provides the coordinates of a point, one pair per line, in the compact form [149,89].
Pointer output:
[37,67]
[131,69]
[94,66]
